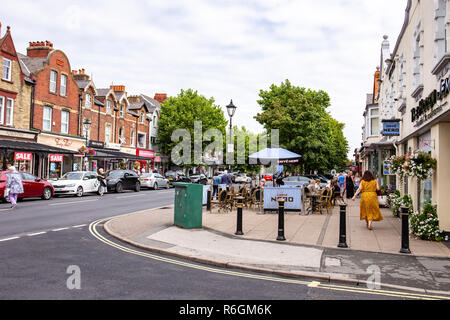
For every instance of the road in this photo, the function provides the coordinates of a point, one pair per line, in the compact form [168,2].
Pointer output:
[41,242]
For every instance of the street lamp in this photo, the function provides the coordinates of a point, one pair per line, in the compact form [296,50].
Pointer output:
[231,109]
[87,126]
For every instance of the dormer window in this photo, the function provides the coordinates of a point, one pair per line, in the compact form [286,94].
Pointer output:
[142,117]
[108,107]
[122,110]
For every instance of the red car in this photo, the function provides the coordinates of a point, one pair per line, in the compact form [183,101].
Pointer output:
[268,177]
[32,186]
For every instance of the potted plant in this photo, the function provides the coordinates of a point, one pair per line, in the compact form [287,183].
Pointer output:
[425,224]
[383,198]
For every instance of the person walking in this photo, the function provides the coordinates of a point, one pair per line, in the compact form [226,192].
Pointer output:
[216,182]
[13,184]
[341,182]
[357,180]
[349,185]
[101,177]
[369,207]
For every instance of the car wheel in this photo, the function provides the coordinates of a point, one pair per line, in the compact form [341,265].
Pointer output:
[137,187]
[47,194]
[155,186]
[79,192]
[119,187]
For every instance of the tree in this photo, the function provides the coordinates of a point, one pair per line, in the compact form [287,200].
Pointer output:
[305,127]
[181,112]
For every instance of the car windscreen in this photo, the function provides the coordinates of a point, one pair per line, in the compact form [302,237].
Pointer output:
[72,176]
[115,174]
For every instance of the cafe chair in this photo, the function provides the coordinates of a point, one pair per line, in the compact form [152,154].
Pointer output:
[223,202]
[325,200]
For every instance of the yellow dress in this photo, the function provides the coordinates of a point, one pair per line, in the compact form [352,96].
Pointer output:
[369,207]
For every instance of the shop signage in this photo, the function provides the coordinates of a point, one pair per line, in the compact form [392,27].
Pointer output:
[292,196]
[425,109]
[22,156]
[55,157]
[145,153]
[391,128]
[96,144]
[289,161]
[115,146]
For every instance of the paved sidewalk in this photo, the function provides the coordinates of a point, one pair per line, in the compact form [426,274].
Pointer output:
[257,251]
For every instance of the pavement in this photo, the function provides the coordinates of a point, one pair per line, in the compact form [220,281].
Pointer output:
[310,249]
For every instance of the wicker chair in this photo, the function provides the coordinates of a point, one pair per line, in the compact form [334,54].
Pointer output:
[325,200]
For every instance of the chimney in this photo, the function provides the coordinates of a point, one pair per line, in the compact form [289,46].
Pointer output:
[39,49]
[160,97]
[118,88]
[80,75]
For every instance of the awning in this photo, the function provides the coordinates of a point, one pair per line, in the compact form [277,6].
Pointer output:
[281,155]
[113,154]
[31,147]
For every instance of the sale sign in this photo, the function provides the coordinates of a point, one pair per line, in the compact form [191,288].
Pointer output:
[55,157]
[22,156]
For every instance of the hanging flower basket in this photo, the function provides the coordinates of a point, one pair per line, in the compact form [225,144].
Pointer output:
[419,165]
[87,151]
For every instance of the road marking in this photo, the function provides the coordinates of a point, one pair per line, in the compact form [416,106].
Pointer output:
[7,239]
[81,225]
[398,294]
[71,202]
[135,195]
[314,284]
[35,234]
[60,229]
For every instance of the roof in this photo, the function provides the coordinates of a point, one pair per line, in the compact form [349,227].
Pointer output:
[135,105]
[151,103]
[82,84]
[103,92]
[32,64]
[99,103]
[132,113]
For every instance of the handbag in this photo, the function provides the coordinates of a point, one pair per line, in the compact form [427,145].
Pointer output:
[379,192]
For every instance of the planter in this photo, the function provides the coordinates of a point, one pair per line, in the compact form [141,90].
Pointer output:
[383,201]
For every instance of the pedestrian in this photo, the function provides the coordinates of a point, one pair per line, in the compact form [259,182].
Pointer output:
[101,177]
[14,185]
[279,180]
[357,180]
[216,182]
[224,179]
[341,182]
[369,207]
[349,185]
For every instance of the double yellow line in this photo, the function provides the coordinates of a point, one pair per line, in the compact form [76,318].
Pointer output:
[398,294]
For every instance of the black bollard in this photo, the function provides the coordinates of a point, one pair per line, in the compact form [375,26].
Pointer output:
[342,226]
[208,201]
[405,230]
[281,202]
[239,206]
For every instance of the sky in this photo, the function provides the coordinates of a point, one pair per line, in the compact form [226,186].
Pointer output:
[223,49]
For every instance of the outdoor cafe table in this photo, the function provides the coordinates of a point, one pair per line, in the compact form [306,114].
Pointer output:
[314,196]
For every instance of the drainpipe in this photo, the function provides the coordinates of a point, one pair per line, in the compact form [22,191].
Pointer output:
[33,86]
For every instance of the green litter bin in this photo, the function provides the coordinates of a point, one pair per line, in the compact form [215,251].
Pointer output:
[188,205]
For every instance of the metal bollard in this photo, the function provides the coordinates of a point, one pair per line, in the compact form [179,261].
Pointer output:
[239,206]
[342,226]
[404,211]
[208,201]
[281,219]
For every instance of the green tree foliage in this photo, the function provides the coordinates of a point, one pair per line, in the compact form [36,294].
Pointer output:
[305,127]
[181,112]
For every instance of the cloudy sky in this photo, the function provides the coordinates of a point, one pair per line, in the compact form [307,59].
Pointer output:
[224,49]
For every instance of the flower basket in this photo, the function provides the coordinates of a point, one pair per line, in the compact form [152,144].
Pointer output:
[425,224]
[419,165]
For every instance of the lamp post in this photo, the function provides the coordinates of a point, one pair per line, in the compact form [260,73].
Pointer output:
[87,126]
[231,109]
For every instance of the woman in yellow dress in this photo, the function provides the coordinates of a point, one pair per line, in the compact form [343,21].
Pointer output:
[369,207]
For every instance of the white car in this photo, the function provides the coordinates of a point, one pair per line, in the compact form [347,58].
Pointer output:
[243,178]
[154,181]
[76,183]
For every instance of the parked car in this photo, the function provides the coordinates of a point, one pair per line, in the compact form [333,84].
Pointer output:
[154,181]
[76,183]
[119,180]
[296,180]
[243,178]
[176,176]
[32,186]
[199,178]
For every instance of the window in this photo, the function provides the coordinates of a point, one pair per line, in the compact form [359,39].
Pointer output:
[88,103]
[2,109]
[9,111]
[373,118]
[63,87]
[142,117]
[108,107]
[47,119]
[64,121]
[107,133]
[440,35]
[53,77]
[6,69]
[122,110]
[141,140]
[86,133]
[417,58]
[132,138]
[121,137]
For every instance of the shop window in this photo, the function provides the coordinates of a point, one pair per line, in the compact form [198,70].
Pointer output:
[63,87]
[64,121]
[7,69]
[47,119]
[53,77]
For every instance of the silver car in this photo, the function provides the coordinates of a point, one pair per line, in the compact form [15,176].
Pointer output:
[154,181]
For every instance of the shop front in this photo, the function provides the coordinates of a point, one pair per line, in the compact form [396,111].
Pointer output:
[147,164]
